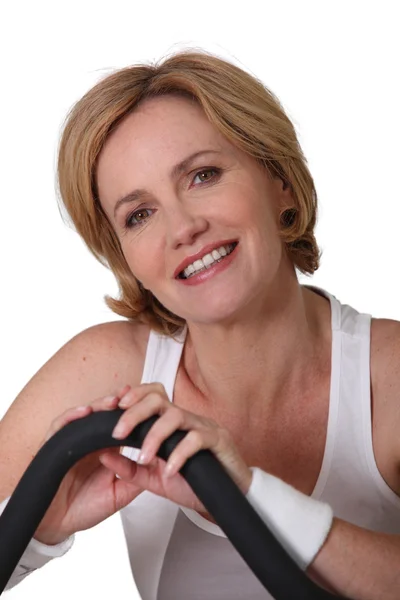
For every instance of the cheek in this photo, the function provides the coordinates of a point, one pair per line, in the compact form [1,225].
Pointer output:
[144,259]
[255,216]
[251,202]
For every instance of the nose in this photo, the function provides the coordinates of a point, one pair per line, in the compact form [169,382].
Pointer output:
[183,225]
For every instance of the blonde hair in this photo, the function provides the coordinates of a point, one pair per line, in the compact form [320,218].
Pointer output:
[237,104]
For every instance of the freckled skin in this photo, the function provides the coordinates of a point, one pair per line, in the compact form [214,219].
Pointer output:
[185,214]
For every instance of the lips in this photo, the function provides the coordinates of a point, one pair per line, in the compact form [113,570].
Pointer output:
[205,250]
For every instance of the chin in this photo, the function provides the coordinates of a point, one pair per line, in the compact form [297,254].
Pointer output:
[213,308]
[212,313]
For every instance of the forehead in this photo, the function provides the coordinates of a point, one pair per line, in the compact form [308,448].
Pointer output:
[148,142]
[167,123]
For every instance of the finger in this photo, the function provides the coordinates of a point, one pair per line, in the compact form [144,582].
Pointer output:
[111,401]
[174,418]
[220,442]
[105,403]
[194,441]
[152,404]
[123,467]
[136,394]
[127,470]
[121,393]
[68,416]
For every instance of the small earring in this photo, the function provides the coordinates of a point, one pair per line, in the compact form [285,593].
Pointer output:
[288,217]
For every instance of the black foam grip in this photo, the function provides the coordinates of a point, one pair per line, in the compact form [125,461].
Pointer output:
[206,476]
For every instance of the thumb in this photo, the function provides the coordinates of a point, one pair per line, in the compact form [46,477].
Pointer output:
[123,467]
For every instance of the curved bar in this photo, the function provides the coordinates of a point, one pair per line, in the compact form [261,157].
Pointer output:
[208,479]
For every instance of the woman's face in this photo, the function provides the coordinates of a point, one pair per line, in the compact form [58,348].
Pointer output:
[164,215]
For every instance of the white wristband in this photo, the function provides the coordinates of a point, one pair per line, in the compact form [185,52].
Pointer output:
[300,523]
[36,555]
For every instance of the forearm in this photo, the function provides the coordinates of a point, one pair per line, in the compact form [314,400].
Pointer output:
[36,555]
[352,562]
[359,564]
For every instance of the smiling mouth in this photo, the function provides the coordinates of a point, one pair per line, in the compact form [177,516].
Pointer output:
[201,266]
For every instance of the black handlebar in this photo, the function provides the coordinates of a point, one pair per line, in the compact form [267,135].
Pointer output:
[208,479]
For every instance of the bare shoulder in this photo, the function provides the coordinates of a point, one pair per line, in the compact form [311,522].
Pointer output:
[385,351]
[385,368]
[99,360]
[96,362]
[116,347]
[385,383]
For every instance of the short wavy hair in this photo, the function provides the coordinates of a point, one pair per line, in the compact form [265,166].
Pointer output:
[237,104]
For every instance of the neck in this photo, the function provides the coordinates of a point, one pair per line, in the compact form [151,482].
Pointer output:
[274,353]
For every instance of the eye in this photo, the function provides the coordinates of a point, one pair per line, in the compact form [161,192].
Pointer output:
[205,171]
[137,217]
[140,215]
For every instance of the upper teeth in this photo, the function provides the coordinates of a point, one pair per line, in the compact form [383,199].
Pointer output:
[208,260]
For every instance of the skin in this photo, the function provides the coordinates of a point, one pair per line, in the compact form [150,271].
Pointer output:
[252,319]
[268,313]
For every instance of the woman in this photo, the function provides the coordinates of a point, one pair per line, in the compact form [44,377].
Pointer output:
[187,180]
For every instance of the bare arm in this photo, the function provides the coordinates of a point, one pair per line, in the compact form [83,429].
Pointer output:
[95,363]
[355,562]
[359,564]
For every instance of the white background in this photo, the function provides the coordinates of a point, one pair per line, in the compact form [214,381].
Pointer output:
[334,66]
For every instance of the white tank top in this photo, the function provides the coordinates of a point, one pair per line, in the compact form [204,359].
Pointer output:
[176,553]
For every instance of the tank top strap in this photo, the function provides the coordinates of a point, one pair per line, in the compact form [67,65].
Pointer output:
[162,360]
[334,393]
[336,312]
[349,479]
[163,355]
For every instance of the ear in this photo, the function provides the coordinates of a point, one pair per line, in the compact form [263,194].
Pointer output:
[284,184]
[285,198]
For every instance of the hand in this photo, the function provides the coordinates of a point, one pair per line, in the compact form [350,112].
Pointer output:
[103,482]
[89,492]
[153,473]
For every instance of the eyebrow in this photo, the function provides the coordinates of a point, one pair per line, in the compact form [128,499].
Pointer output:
[136,195]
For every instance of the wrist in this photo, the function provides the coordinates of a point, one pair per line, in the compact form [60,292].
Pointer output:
[300,523]
[246,482]
[49,538]
[45,552]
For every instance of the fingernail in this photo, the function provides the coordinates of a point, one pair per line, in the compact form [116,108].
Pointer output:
[110,399]
[124,402]
[143,457]
[169,469]
[119,431]
[124,390]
